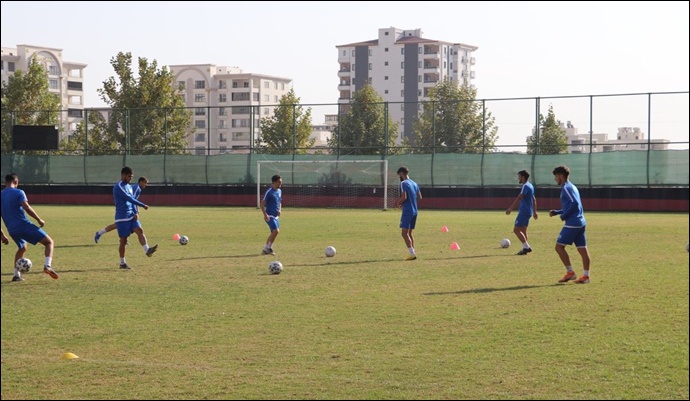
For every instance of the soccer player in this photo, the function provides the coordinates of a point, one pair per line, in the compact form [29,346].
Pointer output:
[271,206]
[528,208]
[409,194]
[126,219]
[573,231]
[15,207]
[136,192]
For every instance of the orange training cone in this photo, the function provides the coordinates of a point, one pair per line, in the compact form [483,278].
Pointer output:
[455,246]
[444,229]
[176,237]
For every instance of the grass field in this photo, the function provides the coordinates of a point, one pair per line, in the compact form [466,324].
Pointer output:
[207,320]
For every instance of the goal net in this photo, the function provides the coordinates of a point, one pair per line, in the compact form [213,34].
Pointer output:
[331,183]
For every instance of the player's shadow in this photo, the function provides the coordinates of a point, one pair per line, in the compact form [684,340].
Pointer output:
[393,260]
[217,257]
[490,290]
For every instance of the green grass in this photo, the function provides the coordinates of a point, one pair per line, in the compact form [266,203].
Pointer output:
[207,321]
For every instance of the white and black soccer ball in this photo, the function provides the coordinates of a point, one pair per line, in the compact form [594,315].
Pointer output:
[505,243]
[275,267]
[23,265]
[184,240]
[330,251]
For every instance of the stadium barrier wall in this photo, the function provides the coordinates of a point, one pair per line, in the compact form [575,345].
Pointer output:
[671,199]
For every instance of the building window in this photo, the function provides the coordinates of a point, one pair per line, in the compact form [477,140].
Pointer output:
[222,149]
[222,137]
[10,66]
[385,92]
[200,124]
[344,52]
[237,136]
[370,66]
[53,83]
[385,78]
[402,106]
[266,111]
[419,92]
[222,124]
[52,70]
[386,49]
[402,79]
[370,52]
[402,93]
[199,150]
[199,84]
[74,86]
[234,84]
[275,85]
[385,63]
[275,98]
[402,65]
[419,78]
[221,111]
[402,50]
[282,86]
[75,113]
[419,50]
[222,97]
[369,81]
[245,84]
[200,138]
[353,53]
[386,33]
[222,85]
[267,98]
[75,100]
[255,96]
[267,84]
[200,111]
[199,98]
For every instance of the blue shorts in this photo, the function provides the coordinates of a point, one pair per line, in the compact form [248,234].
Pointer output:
[570,235]
[273,223]
[408,221]
[126,228]
[29,233]
[522,220]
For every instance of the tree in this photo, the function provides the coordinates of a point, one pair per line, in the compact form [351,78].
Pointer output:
[551,140]
[288,130]
[148,114]
[26,100]
[453,121]
[364,130]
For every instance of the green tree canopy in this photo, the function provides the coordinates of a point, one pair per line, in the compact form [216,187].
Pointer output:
[288,129]
[364,130]
[551,140]
[453,121]
[147,113]
[26,100]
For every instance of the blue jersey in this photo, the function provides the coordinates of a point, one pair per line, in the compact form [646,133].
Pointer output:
[12,211]
[273,198]
[136,192]
[571,206]
[527,201]
[409,207]
[125,201]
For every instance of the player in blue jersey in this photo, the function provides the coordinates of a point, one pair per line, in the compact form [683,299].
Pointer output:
[528,208]
[15,207]
[409,195]
[573,230]
[136,191]
[271,206]
[126,218]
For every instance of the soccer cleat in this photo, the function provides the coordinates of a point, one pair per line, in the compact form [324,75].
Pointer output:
[524,251]
[568,276]
[17,278]
[47,270]
[124,266]
[411,257]
[582,280]
[151,250]
[268,251]
[96,237]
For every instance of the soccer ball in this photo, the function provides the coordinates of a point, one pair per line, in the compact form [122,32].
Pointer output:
[275,267]
[23,265]
[184,240]
[505,243]
[330,251]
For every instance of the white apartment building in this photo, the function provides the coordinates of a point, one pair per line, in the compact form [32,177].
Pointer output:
[321,133]
[65,78]
[402,67]
[627,138]
[227,105]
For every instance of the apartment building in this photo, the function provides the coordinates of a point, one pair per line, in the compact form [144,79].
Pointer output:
[227,105]
[627,138]
[65,79]
[402,66]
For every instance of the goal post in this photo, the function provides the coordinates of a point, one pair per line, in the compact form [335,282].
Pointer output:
[330,183]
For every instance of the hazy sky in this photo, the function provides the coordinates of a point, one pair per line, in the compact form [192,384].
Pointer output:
[526,49]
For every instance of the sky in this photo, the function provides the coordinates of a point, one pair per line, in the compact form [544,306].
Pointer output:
[554,50]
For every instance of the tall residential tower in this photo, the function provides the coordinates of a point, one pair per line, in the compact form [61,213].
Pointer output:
[402,67]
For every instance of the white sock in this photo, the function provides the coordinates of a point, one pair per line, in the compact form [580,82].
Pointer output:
[146,247]
[569,268]
[525,245]
[122,261]
[586,273]
[48,261]
[102,231]
[411,249]
[17,273]
[268,245]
